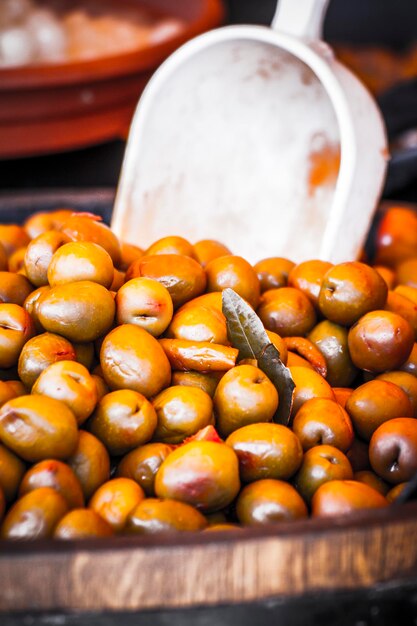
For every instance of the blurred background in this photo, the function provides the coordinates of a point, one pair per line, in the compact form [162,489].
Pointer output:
[376,38]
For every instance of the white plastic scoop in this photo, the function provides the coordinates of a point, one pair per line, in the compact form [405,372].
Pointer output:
[237,137]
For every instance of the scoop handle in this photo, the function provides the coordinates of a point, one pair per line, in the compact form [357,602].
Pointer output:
[300,18]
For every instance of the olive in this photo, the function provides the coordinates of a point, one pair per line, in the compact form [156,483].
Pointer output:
[14,288]
[349,290]
[31,304]
[11,473]
[171,245]
[43,221]
[90,463]
[323,421]
[115,499]
[39,253]
[153,515]
[201,473]
[207,250]
[287,311]
[80,261]
[123,420]
[332,341]
[16,328]
[371,479]
[57,475]
[37,428]
[393,450]
[41,351]
[34,515]
[340,497]
[130,253]
[182,276]
[82,524]
[308,384]
[88,228]
[244,395]
[181,412]
[132,359]
[308,278]
[146,303]
[273,272]
[80,311]
[266,451]
[236,273]
[374,403]
[143,463]
[71,383]
[13,237]
[202,380]
[199,323]
[380,341]
[320,465]
[269,501]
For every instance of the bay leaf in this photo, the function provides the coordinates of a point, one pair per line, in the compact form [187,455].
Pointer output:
[247,333]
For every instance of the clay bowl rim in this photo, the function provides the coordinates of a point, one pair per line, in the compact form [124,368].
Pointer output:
[102,68]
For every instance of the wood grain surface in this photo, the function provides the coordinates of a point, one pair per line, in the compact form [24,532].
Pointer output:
[136,573]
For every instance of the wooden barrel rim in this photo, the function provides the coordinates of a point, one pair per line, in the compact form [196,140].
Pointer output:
[138,573]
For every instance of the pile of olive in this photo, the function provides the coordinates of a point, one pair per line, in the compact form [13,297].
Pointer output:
[125,409]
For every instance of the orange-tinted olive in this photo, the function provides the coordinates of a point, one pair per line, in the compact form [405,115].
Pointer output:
[146,303]
[207,250]
[153,515]
[82,524]
[115,499]
[41,351]
[58,476]
[269,501]
[34,515]
[90,463]
[340,497]
[78,261]
[181,412]
[39,254]
[16,328]
[142,464]
[323,421]
[321,464]
[236,273]
[273,272]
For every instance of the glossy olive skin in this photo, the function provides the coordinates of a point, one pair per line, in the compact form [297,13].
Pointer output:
[308,278]
[206,381]
[171,245]
[43,221]
[80,311]
[396,236]
[16,261]
[410,365]
[38,428]
[153,515]
[16,328]
[199,323]
[78,261]
[349,290]
[184,278]
[374,403]
[269,501]
[114,500]
[393,450]
[403,306]
[71,383]
[34,515]
[320,465]
[40,352]
[380,341]
[84,354]
[6,392]
[266,451]
[244,395]
[201,473]
[84,228]
[371,479]
[58,476]
[123,420]
[31,305]
[287,311]
[11,473]
[82,524]
[199,356]
[39,254]
[90,463]
[14,288]
[132,359]
[406,272]
[146,303]
[308,384]
[280,345]
[332,341]
[273,272]
[207,250]
[323,421]
[407,292]
[13,237]
[341,497]
[358,455]
[236,273]
[182,411]
[130,253]
[143,463]
[407,382]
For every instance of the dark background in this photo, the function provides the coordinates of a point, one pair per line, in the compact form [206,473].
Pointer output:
[390,22]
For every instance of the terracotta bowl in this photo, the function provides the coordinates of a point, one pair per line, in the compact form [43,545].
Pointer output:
[53,108]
